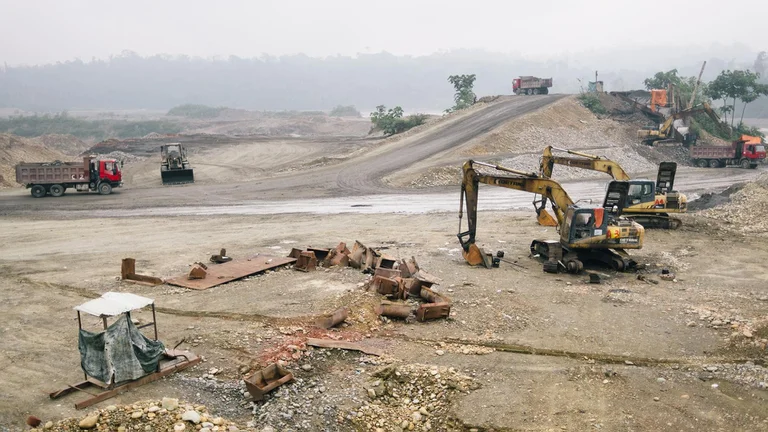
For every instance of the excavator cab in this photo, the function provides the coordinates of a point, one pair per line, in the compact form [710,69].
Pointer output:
[640,191]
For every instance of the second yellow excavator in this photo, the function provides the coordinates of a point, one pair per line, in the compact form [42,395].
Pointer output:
[587,233]
[648,203]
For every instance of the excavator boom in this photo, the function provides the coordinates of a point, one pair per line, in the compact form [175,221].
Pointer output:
[586,161]
[584,231]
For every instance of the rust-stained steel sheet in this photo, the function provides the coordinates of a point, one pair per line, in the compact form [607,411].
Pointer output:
[233,270]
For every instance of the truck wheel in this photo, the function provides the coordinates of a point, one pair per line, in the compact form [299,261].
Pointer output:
[744,163]
[38,191]
[535,91]
[56,190]
[105,189]
[545,91]
[702,163]
[714,163]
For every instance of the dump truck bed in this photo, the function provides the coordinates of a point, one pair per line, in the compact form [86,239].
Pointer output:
[712,152]
[51,173]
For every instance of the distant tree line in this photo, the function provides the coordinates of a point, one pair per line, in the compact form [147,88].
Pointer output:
[299,82]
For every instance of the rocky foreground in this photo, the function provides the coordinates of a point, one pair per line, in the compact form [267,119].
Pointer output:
[165,415]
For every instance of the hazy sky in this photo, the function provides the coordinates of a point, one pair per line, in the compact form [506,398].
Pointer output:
[40,31]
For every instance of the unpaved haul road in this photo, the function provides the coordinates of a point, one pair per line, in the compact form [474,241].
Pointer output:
[691,181]
[360,175]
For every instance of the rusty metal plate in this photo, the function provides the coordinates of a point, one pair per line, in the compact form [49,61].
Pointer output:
[233,270]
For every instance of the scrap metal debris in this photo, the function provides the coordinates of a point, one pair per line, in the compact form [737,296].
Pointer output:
[328,343]
[198,271]
[221,257]
[229,271]
[667,275]
[267,379]
[128,273]
[334,319]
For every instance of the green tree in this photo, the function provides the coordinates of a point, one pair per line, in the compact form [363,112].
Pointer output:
[662,80]
[741,85]
[391,121]
[465,95]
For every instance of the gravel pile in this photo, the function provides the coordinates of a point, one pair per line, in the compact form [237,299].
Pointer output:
[121,156]
[165,415]
[411,397]
[739,214]
[747,373]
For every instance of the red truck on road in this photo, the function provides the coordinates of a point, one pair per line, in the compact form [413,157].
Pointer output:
[55,177]
[531,85]
[746,153]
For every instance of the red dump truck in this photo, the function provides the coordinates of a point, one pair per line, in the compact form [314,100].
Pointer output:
[746,153]
[530,85]
[55,178]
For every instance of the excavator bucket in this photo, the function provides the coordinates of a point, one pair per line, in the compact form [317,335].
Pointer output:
[476,256]
[546,219]
[177,176]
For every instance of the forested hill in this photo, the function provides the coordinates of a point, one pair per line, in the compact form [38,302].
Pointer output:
[299,82]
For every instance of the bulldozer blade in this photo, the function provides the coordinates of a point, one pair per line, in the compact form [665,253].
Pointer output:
[476,256]
[179,176]
[546,219]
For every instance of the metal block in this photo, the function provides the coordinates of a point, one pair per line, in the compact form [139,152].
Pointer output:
[266,380]
[306,262]
[394,310]
[334,319]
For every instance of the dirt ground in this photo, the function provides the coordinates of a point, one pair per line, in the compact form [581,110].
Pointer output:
[604,348]
[522,349]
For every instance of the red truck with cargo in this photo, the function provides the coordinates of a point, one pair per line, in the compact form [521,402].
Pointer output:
[530,85]
[745,153]
[55,178]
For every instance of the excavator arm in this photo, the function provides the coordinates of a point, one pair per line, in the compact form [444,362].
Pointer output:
[522,181]
[586,161]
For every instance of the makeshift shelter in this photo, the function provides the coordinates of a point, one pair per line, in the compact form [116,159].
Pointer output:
[120,357]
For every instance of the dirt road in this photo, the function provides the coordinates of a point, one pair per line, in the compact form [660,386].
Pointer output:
[356,175]
[691,181]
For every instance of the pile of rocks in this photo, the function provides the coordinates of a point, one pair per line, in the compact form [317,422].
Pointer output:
[410,397]
[165,415]
[740,214]
[121,156]
[743,373]
[742,331]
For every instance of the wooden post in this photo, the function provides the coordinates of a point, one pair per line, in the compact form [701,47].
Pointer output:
[154,320]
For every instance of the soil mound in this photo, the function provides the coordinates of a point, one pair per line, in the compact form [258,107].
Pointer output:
[741,207]
[14,149]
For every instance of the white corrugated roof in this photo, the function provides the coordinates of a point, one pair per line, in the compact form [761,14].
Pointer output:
[114,303]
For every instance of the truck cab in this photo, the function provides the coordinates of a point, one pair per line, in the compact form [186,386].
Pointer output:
[752,151]
[106,170]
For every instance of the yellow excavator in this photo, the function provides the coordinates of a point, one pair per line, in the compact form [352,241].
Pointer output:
[587,233]
[648,203]
[665,131]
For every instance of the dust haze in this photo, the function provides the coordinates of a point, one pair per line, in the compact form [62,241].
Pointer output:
[304,55]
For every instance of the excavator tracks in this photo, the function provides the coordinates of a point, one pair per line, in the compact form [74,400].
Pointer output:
[572,260]
[656,221]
